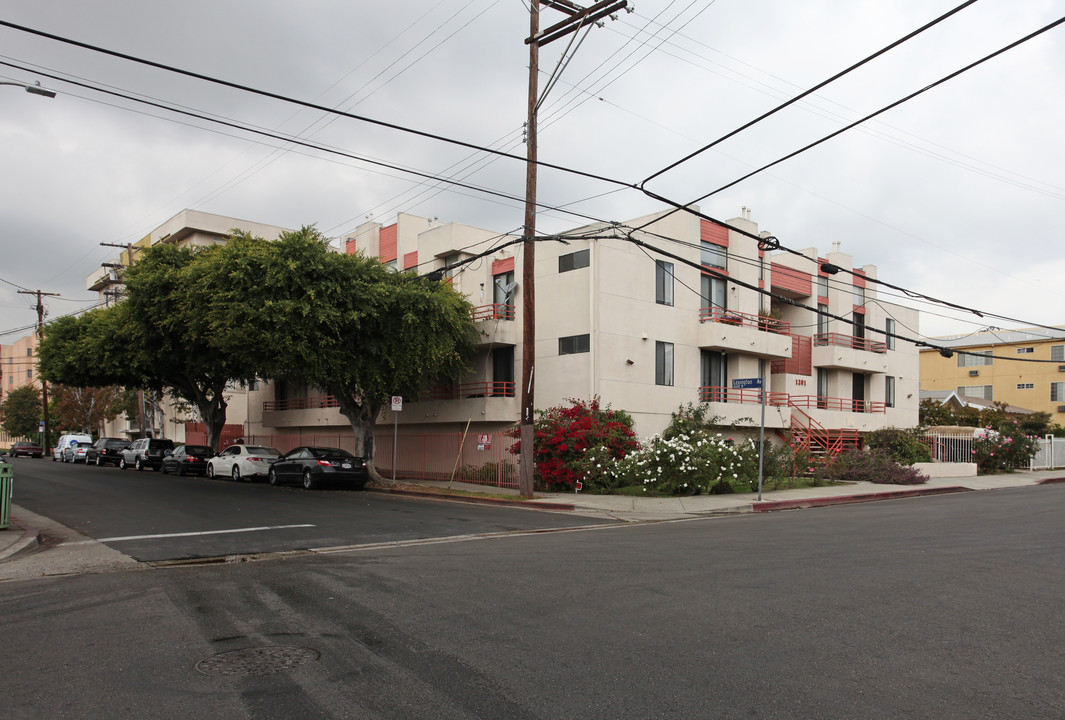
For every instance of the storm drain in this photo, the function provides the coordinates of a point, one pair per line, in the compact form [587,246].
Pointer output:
[258,660]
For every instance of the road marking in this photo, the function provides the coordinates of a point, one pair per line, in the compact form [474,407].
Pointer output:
[190,534]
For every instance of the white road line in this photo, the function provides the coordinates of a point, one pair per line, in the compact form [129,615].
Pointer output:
[190,534]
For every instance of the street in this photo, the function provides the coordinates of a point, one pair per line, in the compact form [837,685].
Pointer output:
[935,607]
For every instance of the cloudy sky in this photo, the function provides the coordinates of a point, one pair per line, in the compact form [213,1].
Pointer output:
[958,193]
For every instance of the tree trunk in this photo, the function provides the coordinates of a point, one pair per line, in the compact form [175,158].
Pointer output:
[362,416]
[213,412]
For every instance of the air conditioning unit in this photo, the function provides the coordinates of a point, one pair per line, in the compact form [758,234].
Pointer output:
[974,373]
[1061,368]
[1061,408]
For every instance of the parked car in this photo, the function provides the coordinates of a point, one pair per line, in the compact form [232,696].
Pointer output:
[27,448]
[65,441]
[187,459]
[242,462]
[314,466]
[145,453]
[106,451]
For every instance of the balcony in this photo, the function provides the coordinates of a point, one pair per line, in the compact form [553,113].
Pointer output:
[495,311]
[843,352]
[732,331]
[820,402]
[322,401]
[713,394]
[495,324]
[321,410]
[470,390]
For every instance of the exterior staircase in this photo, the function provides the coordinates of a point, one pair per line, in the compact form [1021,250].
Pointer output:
[822,443]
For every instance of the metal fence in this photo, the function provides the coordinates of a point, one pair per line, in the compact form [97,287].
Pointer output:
[1050,453]
[950,447]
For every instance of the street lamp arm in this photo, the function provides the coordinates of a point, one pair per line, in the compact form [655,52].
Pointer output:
[32,89]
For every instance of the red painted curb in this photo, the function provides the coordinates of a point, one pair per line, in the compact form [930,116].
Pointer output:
[1051,481]
[772,505]
[477,500]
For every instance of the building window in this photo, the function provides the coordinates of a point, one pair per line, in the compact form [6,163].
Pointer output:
[889,333]
[574,344]
[822,388]
[503,371]
[1025,350]
[29,352]
[574,260]
[714,372]
[663,282]
[1026,386]
[713,292]
[974,359]
[29,373]
[858,295]
[822,319]
[663,363]
[503,288]
[715,256]
[1057,353]
[889,391]
[822,286]
[979,391]
[1057,392]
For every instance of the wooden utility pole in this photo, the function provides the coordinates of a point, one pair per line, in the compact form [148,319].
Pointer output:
[578,18]
[40,334]
[140,391]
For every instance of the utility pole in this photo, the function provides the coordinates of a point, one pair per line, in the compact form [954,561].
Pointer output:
[140,391]
[40,334]
[578,18]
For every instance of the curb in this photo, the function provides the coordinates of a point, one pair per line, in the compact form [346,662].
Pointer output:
[771,505]
[1051,481]
[29,538]
[473,499]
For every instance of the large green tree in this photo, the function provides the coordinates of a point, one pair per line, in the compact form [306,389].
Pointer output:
[21,411]
[158,338]
[341,323]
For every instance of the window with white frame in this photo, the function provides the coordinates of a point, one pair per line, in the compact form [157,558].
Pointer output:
[822,286]
[715,256]
[663,363]
[1057,353]
[975,359]
[663,282]
[822,319]
[858,296]
[713,292]
[889,391]
[1026,386]
[1025,350]
[889,333]
[1057,392]
[978,391]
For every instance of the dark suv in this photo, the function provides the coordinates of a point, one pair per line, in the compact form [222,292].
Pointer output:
[106,451]
[145,452]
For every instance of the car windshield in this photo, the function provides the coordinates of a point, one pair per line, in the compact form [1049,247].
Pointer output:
[263,451]
[198,450]
[330,452]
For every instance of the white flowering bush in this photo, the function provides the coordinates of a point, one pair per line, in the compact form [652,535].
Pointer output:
[682,465]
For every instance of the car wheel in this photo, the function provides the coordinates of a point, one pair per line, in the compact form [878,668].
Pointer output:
[137,464]
[53,457]
[272,477]
[98,463]
[210,471]
[122,463]
[309,483]
[236,473]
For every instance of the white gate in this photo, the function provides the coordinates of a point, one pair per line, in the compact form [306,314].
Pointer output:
[1050,453]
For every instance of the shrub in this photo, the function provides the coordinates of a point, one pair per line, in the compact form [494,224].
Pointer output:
[1006,449]
[870,466]
[563,435]
[902,446]
[690,420]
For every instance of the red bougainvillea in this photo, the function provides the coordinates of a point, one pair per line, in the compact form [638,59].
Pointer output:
[563,434]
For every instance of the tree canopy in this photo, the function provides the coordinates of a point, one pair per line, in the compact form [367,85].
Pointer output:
[21,411]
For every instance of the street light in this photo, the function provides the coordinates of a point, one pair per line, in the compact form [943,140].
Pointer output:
[34,89]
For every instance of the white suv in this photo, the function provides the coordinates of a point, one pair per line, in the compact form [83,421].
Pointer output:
[71,442]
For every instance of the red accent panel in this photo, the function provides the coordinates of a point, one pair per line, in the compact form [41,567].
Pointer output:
[502,266]
[350,248]
[859,279]
[713,233]
[410,260]
[388,243]
[801,360]
[790,279]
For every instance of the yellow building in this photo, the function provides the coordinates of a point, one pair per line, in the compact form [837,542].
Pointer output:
[18,365]
[1025,368]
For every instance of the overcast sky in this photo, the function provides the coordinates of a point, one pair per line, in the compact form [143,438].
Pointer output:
[958,193]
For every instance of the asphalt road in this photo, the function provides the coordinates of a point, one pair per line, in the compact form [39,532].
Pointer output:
[156,517]
[939,607]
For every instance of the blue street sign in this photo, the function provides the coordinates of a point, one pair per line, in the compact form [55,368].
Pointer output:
[747,384]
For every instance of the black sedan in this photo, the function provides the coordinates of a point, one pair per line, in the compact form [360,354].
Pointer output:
[106,451]
[187,459]
[315,466]
[27,448]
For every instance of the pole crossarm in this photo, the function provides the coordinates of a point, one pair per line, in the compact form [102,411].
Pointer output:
[579,17]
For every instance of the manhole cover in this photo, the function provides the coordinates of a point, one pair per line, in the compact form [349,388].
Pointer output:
[257,661]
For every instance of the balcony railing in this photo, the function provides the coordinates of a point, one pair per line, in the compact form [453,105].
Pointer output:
[470,390]
[840,340]
[322,401]
[739,319]
[714,394]
[495,311]
[731,395]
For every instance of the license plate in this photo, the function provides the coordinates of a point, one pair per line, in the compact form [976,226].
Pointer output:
[346,466]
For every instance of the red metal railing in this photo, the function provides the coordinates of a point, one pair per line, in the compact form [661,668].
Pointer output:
[833,403]
[321,401]
[495,311]
[470,390]
[841,340]
[739,319]
[730,395]
[808,434]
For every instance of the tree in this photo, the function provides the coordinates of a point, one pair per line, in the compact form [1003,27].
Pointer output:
[157,339]
[21,411]
[86,408]
[344,324]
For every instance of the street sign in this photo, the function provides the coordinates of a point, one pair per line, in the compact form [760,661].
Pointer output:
[397,403]
[747,384]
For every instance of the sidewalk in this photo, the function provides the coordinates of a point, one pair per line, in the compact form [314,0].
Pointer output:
[27,528]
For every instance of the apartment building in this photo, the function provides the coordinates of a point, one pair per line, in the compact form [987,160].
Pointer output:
[18,365]
[168,418]
[649,333]
[1023,368]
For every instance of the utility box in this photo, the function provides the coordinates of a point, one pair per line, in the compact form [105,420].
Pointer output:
[6,482]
